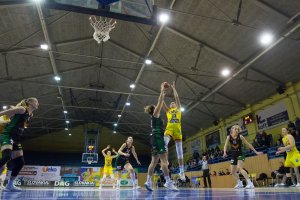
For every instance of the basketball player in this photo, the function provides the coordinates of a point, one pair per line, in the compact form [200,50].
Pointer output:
[122,161]
[108,170]
[158,148]
[236,141]
[293,155]
[173,129]
[11,137]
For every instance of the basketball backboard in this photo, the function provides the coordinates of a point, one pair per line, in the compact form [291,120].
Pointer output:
[89,158]
[141,11]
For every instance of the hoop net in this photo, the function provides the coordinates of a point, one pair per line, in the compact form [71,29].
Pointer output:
[102,27]
[89,160]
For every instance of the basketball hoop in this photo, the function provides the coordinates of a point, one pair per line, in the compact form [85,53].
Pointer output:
[102,27]
[89,160]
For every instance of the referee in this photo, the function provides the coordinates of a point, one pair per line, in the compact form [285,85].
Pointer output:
[205,169]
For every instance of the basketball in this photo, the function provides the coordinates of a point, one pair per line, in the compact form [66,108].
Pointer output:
[166,85]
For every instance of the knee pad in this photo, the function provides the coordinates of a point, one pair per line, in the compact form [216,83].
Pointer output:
[6,156]
[179,150]
[18,165]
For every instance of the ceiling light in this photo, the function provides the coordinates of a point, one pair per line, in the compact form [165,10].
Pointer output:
[66,129]
[115,124]
[225,72]
[67,122]
[70,134]
[44,46]
[148,62]
[132,86]
[57,78]
[182,109]
[114,131]
[65,111]
[266,38]
[127,103]
[163,18]
[119,116]
[4,107]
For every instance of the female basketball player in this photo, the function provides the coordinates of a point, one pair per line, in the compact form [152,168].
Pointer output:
[238,155]
[293,155]
[122,161]
[158,148]
[108,170]
[11,137]
[173,129]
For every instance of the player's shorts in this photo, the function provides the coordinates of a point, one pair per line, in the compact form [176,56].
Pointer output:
[292,160]
[7,140]
[237,156]
[157,143]
[174,131]
[108,170]
[121,162]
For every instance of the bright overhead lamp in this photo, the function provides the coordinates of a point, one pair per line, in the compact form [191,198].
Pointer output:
[148,62]
[266,38]
[44,46]
[225,72]
[163,18]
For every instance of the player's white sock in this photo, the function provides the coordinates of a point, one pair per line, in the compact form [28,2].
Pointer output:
[181,169]
[167,179]
[149,178]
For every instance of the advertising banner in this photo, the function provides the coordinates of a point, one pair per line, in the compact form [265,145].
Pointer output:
[272,116]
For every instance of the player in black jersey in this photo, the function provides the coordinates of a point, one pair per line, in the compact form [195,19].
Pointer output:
[122,161]
[11,137]
[158,148]
[237,142]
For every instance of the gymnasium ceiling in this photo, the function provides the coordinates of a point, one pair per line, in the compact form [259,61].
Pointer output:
[191,48]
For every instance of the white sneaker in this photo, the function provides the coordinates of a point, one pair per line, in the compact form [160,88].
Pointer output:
[182,176]
[12,188]
[170,185]
[118,187]
[250,186]
[298,185]
[136,187]
[239,185]
[148,186]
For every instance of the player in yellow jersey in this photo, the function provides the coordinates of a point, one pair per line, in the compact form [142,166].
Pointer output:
[293,155]
[3,172]
[108,170]
[173,129]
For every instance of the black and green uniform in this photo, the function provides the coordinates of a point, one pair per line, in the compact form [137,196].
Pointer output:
[237,149]
[13,131]
[157,136]
[121,160]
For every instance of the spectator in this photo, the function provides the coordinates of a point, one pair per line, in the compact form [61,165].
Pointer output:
[279,141]
[297,124]
[227,172]
[292,126]
[261,138]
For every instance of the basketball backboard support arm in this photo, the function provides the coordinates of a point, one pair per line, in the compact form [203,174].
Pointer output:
[52,4]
